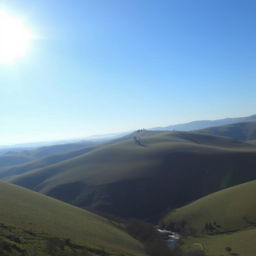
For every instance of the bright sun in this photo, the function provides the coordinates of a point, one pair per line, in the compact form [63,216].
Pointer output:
[14,38]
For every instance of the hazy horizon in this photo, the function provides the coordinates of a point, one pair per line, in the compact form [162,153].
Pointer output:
[107,135]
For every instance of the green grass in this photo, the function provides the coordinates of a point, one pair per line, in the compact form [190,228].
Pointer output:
[19,242]
[32,211]
[232,214]
[126,179]
[232,209]
[242,243]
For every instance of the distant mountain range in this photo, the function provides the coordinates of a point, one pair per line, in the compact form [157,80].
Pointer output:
[245,131]
[191,126]
[197,125]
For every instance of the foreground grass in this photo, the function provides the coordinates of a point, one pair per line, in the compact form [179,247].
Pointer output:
[19,242]
[37,213]
[221,224]
[240,243]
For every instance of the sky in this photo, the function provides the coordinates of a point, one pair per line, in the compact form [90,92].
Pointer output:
[98,67]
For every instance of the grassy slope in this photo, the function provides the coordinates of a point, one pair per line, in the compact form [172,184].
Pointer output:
[241,131]
[142,180]
[32,211]
[242,243]
[233,209]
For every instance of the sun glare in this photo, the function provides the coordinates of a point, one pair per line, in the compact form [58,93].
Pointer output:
[14,38]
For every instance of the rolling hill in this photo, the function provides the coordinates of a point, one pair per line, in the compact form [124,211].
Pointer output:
[146,173]
[226,218]
[245,131]
[5,172]
[202,124]
[34,224]
[13,158]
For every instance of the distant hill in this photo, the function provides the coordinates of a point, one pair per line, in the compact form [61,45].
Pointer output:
[42,162]
[44,144]
[196,125]
[228,217]
[245,131]
[33,224]
[146,173]
[12,158]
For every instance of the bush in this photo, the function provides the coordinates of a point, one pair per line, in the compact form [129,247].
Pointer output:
[228,249]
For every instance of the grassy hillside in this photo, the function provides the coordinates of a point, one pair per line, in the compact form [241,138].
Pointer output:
[225,219]
[241,243]
[24,211]
[142,174]
[245,131]
[231,209]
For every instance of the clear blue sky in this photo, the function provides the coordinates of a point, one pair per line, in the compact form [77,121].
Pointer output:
[103,66]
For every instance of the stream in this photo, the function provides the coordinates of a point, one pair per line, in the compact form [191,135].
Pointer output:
[171,238]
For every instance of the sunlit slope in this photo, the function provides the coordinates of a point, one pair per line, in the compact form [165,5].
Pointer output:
[144,174]
[33,211]
[245,131]
[219,222]
[231,209]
